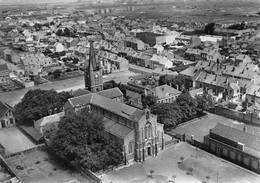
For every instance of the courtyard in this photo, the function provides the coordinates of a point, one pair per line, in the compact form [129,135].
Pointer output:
[187,164]
[38,167]
[13,140]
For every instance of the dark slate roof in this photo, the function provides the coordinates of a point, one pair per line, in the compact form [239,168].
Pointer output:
[116,129]
[111,93]
[249,140]
[4,108]
[118,108]
[80,92]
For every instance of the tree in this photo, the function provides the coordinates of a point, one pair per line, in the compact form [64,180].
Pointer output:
[210,28]
[56,74]
[81,140]
[148,101]
[188,106]
[244,105]
[205,102]
[174,81]
[39,103]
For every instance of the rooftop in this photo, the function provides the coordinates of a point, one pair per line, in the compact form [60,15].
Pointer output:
[120,109]
[251,141]
[165,90]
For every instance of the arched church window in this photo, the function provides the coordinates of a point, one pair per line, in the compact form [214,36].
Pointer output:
[148,130]
[145,132]
[147,115]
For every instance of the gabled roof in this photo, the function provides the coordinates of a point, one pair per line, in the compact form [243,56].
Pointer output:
[4,108]
[111,93]
[166,90]
[107,104]
[249,140]
[116,129]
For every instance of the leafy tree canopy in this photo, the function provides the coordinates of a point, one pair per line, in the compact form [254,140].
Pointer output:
[82,141]
[210,28]
[183,109]
[39,103]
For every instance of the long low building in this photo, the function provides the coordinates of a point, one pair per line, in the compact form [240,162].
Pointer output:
[237,146]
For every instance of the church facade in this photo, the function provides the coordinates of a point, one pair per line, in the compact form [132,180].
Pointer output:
[137,130]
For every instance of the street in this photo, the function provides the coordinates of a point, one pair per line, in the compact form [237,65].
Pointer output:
[13,97]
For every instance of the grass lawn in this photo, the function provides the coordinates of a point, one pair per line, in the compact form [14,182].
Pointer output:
[14,140]
[39,167]
[166,164]
[199,128]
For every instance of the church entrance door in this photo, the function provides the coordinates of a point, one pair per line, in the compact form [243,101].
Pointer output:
[3,123]
[149,151]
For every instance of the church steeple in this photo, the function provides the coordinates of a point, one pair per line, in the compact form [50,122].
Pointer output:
[93,72]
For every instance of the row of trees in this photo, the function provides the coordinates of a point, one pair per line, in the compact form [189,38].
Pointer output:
[183,109]
[39,103]
[81,140]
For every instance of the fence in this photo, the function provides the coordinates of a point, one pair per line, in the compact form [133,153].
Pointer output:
[171,142]
[39,147]
[4,164]
[110,168]
[250,118]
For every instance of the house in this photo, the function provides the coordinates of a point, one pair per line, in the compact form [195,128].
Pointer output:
[6,115]
[158,60]
[110,62]
[211,38]
[134,43]
[166,94]
[253,95]
[211,55]
[238,146]
[137,130]
[192,54]
[4,73]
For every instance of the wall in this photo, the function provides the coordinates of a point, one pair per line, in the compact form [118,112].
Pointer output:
[250,118]
[234,155]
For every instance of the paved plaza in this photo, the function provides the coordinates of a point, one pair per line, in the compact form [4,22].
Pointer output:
[197,166]
[39,167]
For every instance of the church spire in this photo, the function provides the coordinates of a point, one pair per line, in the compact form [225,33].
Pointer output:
[93,72]
[92,65]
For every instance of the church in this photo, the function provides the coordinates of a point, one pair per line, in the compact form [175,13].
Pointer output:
[137,130]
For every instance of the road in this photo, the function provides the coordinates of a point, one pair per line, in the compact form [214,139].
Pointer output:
[14,97]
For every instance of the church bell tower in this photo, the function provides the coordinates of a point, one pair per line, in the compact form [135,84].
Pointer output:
[93,72]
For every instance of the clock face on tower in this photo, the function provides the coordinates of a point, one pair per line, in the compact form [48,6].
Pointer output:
[96,76]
